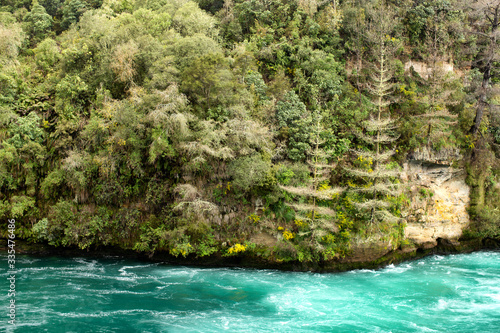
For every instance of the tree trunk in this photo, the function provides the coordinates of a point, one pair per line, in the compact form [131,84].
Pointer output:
[490,58]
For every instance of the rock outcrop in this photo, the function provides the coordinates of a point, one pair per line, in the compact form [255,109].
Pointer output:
[424,70]
[439,198]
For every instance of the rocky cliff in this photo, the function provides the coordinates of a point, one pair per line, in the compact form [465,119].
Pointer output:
[439,198]
[437,214]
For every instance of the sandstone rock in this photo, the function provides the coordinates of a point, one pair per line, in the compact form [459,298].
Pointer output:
[259,206]
[424,70]
[264,239]
[439,212]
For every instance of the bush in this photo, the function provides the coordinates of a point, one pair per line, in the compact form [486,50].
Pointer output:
[249,172]
[52,228]
[47,54]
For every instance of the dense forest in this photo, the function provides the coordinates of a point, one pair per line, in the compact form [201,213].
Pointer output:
[272,129]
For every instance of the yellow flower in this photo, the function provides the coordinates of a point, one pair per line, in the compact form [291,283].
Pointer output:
[300,223]
[236,249]
[288,235]
[254,218]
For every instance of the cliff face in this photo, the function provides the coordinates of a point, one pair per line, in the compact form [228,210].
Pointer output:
[437,214]
[439,199]
[438,211]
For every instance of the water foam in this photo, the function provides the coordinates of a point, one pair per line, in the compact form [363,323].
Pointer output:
[434,294]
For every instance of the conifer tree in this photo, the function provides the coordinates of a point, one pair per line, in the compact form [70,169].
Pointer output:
[437,118]
[320,219]
[379,128]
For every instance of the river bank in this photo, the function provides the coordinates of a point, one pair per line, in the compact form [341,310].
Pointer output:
[349,262]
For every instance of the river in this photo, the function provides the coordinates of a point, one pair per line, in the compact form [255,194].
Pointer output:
[453,293]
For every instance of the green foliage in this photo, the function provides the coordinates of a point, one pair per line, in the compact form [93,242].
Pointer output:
[256,83]
[70,96]
[37,22]
[50,186]
[21,206]
[47,55]
[249,172]
[51,6]
[71,12]
[295,125]
[207,80]
[25,130]
[284,174]
[52,228]
[190,20]
[419,19]
[425,193]
[485,194]
[290,110]
[112,111]
[11,38]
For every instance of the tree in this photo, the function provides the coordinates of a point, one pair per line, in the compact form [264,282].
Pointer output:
[248,172]
[24,153]
[295,125]
[38,22]
[354,26]
[437,118]
[319,218]
[169,119]
[485,16]
[124,65]
[52,6]
[47,54]
[379,128]
[71,12]
[190,19]
[11,38]
[208,80]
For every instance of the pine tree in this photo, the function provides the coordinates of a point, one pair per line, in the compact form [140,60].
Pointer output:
[320,219]
[437,119]
[379,128]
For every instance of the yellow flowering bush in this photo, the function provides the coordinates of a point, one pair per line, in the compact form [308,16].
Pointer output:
[183,249]
[328,239]
[288,235]
[300,223]
[236,248]
[364,163]
[254,218]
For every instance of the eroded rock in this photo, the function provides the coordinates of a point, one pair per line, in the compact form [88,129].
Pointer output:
[439,199]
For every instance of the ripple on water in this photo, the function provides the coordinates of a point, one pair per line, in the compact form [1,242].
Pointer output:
[434,294]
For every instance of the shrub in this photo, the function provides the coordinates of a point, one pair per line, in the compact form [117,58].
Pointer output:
[248,172]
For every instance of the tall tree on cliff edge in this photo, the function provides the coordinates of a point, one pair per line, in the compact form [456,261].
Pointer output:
[317,218]
[440,82]
[373,165]
[485,19]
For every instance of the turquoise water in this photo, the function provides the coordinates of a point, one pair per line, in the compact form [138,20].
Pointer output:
[455,293]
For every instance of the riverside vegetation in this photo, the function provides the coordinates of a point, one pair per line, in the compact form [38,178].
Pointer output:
[273,130]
